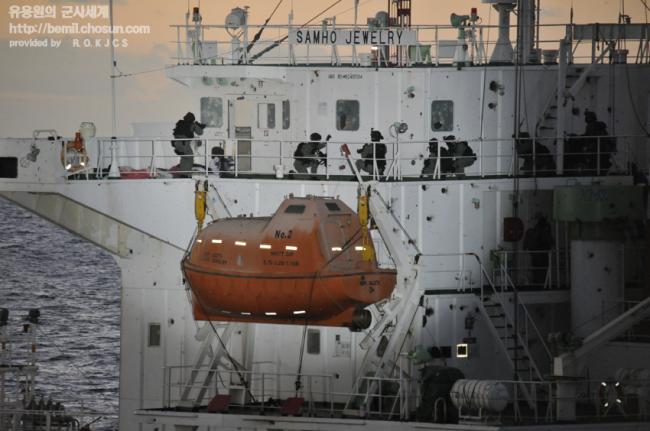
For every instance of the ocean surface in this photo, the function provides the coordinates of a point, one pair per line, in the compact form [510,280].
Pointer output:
[76,286]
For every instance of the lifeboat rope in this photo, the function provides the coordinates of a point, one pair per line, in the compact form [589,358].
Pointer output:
[232,360]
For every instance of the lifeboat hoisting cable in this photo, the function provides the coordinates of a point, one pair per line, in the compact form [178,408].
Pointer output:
[200,207]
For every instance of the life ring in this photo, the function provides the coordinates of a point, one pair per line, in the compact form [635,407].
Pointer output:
[74,157]
[610,394]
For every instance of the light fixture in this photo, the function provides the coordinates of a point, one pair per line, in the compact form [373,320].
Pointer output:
[216,241]
[359,248]
[245,313]
[240,243]
[291,248]
[199,241]
[68,166]
[337,249]
[462,350]
[265,246]
[299,312]
[271,313]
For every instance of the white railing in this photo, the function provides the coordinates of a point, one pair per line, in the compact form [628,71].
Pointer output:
[436,45]
[263,392]
[408,160]
[530,268]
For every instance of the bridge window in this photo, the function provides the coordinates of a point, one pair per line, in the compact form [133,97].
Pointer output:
[347,115]
[266,115]
[286,114]
[212,111]
[313,341]
[442,115]
[332,206]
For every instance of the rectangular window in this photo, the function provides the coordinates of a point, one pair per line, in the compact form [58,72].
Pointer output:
[347,115]
[8,167]
[442,115]
[286,114]
[266,115]
[295,209]
[212,111]
[332,206]
[154,335]
[313,341]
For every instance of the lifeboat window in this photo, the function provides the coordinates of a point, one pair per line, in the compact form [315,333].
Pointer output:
[212,111]
[442,115]
[154,335]
[347,115]
[295,209]
[266,115]
[313,341]
[332,206]
[286,114]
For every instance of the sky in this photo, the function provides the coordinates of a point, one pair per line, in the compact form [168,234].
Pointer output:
[60,87]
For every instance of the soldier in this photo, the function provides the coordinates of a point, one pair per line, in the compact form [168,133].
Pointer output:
[371,153]
[461,153]
[308,155]
[430,163]
[185,129]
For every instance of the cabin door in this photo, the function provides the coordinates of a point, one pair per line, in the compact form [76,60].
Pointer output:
[240,113]
[256,125]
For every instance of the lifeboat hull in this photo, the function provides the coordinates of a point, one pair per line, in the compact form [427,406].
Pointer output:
[329,300]
[307,264]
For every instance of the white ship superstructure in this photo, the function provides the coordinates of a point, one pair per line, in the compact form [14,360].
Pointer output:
[488,143]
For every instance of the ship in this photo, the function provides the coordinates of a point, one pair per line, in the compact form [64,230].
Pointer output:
[500,189]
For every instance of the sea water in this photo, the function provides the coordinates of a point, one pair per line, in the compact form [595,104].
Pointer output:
[76,286]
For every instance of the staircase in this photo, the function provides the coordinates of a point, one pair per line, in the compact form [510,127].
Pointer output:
[211,356]
[512,325]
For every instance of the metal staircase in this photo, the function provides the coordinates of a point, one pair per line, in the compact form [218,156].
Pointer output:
[513,327]
[210,357]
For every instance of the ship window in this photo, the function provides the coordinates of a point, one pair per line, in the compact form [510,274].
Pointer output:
[266,115]
[332,206]
[347,115]
[442,115]
[154,335]
[8,167]
[286,114]
[313,341]
[295,209]
[212,111]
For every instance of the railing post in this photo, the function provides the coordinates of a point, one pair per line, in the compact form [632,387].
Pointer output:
[598,155]
[534,157]
[263,397]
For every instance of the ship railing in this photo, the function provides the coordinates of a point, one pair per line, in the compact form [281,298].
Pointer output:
[20,419]
[264,392]
[407,160]
[531,268]
[434,45]
[596,400]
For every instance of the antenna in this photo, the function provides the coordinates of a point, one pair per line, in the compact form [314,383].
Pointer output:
[113,73]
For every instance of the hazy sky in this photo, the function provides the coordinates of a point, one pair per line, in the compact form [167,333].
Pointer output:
[61,87]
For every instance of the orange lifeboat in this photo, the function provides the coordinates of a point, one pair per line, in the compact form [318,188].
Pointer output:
[302,265]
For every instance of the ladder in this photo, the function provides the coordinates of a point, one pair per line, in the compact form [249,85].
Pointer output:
[208,360]
[503,314]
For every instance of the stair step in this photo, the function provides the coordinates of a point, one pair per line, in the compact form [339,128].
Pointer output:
[494,316]
[550,117]
[546,128]
[492,305]
[508,326]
